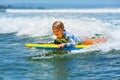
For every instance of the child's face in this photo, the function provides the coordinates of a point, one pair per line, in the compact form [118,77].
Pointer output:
[57,31]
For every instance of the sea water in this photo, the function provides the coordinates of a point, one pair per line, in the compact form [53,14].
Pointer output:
[97,62]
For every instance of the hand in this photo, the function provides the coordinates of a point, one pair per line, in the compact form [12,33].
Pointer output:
[61,45]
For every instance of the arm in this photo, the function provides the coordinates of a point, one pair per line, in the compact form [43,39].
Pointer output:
[72,43]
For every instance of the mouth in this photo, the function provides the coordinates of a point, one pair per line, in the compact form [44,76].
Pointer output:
[58,35]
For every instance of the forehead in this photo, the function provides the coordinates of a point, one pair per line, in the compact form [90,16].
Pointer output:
[56,28]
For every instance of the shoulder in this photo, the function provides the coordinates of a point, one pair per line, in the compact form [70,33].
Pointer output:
[67,33]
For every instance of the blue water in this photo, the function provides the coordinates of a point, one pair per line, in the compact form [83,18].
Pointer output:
[97,62]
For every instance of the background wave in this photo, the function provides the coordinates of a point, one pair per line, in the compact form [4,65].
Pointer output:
[99,10]
[85,24]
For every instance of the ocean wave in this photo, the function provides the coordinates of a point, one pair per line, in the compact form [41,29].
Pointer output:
[39,26]
[85,25]
[99,10]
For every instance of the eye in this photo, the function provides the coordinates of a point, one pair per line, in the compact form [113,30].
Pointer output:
[56,31]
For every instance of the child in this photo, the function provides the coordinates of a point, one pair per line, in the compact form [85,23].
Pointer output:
[65,39]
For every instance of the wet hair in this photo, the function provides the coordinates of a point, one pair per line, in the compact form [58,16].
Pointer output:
[58,24]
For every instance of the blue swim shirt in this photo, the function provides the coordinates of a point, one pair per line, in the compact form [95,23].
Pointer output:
[72,39]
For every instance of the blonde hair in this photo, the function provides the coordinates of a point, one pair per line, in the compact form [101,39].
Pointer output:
[58,24]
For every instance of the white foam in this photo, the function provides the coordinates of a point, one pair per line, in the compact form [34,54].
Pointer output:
[99,10]
[40,26]
[35,26]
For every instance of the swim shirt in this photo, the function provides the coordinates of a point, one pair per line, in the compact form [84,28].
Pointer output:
[70,40]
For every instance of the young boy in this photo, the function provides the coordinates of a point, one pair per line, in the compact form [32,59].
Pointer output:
[65,39]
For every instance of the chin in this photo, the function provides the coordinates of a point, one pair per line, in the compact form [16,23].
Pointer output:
[59,36]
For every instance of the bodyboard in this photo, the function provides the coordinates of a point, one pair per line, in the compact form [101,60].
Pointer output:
[52,46]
